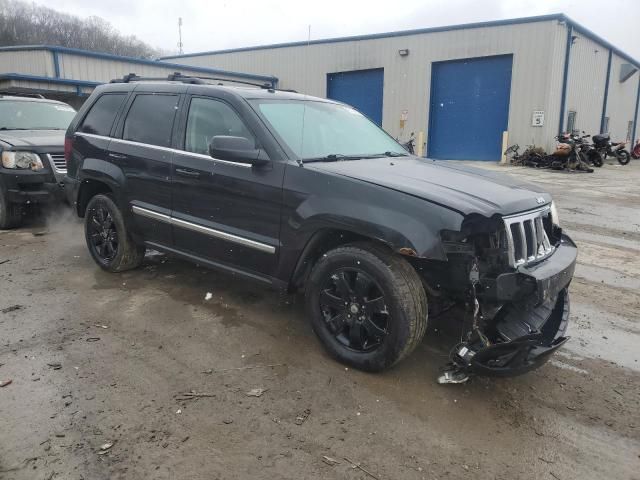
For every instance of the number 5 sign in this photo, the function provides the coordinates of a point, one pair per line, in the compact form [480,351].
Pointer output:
[537,119]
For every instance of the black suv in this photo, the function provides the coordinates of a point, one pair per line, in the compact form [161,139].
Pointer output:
[304,193]
[31,145]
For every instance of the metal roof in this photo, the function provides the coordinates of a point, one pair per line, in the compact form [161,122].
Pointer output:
[494,23]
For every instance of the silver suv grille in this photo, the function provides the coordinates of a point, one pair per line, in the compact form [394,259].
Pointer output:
[58,162]
[527,238]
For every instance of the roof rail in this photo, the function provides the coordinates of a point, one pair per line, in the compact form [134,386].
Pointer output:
[20,94]
[179,77]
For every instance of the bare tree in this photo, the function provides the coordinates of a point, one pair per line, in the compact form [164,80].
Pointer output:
[30,24]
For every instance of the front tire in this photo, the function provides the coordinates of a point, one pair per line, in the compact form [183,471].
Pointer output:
[10,213]
[107,238]
[367,306]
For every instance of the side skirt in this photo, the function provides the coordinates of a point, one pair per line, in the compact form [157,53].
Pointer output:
[263,279]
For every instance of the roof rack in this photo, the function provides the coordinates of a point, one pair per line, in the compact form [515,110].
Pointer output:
[20,94]
[179,77]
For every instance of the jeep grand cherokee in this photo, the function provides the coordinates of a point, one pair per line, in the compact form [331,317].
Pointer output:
[304,193]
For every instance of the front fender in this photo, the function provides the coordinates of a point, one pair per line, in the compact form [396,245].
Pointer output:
[327,203]
[396,228]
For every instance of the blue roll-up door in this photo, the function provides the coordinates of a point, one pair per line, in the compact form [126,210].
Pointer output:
[469,108]
[361,89]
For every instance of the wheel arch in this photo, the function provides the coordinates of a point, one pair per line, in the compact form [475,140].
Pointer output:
[98,176]
[328,238]
[89,188]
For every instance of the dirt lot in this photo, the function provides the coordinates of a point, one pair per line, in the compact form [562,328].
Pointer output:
[97,358]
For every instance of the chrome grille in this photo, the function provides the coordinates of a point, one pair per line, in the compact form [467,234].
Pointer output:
[527,239]
[58,162]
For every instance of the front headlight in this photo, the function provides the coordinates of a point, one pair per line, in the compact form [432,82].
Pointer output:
[22,160]
[555,219]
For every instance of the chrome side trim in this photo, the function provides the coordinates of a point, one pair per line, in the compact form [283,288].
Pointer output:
[246,242]
[143,212]
[165,149]
[263,247]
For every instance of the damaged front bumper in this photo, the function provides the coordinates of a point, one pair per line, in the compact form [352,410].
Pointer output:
[531,323]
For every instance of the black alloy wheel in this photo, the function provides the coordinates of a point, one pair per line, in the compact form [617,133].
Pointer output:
[102,233]
[107,237]
[367,305]
[354,308]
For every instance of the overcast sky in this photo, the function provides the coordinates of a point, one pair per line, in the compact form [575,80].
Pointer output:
[220,24]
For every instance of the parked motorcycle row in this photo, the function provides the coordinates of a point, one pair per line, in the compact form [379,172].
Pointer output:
[574,152]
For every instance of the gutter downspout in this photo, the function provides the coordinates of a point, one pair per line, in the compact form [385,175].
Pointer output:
[565,78]
[606,93]
[635,118]
[56,63]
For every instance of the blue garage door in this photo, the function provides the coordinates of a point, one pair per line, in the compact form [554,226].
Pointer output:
[361,89]
[469,108]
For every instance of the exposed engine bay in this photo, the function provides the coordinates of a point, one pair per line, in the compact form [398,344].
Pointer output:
[512,275]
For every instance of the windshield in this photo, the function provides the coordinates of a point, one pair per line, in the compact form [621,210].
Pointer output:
[319,130]
[26,115]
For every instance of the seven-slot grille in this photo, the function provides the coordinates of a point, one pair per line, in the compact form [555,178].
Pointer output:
[58,162]
[527,239]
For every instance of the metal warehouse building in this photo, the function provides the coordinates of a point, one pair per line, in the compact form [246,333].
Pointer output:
[462,86]
[70,74]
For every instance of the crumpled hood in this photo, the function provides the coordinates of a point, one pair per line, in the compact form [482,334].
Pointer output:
[458,187]
[33,138]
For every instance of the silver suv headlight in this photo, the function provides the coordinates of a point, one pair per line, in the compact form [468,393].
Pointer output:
[23,160]
[555,219]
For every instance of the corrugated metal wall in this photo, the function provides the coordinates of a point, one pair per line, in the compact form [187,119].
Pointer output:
[621,103]
[586,83]
[536,74]
[80,67]
[76,72]
[29,62]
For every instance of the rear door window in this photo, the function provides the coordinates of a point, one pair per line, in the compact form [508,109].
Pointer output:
[100,118]
[150,119]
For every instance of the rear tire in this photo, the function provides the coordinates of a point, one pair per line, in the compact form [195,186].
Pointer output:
[367,306]
[107,238]
[10,213]
[623,157]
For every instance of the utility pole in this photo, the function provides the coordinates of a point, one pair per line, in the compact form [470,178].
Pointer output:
[180,51]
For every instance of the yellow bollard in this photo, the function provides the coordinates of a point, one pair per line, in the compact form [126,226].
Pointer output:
[505,143]
[420,144]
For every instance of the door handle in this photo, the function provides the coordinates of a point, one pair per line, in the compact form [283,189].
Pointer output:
[187,172]
[118,156]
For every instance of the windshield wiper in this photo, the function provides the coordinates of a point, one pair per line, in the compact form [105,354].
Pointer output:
[395,154]
[10,128]
[332,157]
[386,154]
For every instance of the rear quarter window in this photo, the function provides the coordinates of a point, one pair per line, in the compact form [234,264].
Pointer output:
[150,119]
[100,118]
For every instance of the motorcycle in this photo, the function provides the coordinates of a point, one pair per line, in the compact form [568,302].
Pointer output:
[607,148]
[635,153]
[568,154]
[587,151]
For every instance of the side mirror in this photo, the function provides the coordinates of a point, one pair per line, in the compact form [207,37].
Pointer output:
[236,149]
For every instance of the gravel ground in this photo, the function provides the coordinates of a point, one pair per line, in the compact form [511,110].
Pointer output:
[104,367]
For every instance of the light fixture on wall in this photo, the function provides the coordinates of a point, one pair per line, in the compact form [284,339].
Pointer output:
[403,52]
